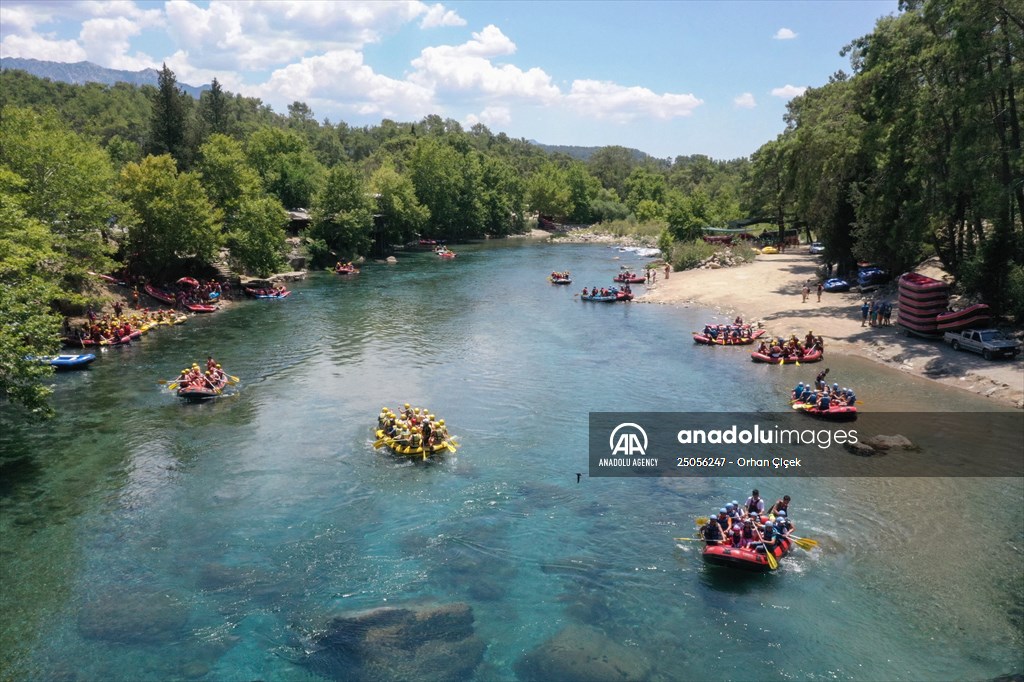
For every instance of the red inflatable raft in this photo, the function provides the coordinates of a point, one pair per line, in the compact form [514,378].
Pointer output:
[812,356]
[721,341]
[632,279]
[963,319]
[922,308]
[915,283]
[744,558]
[194,393]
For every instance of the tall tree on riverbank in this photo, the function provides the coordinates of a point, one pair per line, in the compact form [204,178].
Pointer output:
[171,107]
[67,186]
[172,216]
[342,215]
[402,215]
[28,325]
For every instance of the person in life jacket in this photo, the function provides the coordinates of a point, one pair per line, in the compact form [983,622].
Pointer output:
[819,381]
[737,536]
[427,430]
[754,503]
[723,519]
[783,526]
[780,505]
[733,513]
[749,533]
[767,542]
[824,401]
[798,391]
[415,439]
[712,532]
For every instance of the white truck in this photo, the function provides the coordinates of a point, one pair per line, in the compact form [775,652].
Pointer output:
[991,343]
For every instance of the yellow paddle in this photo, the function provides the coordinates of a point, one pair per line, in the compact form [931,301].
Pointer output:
[804,543]
[690,539]
[448,444]
[772,561]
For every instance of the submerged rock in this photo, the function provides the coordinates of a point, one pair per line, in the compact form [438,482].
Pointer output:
[860,449]
[422,643]
[584,654]
[881,442]
[133,617]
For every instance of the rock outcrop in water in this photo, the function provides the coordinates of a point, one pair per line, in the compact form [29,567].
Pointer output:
[423,643]
[582,654]
[133,617]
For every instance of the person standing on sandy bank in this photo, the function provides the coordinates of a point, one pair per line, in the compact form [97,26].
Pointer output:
[821,288]
[805,292]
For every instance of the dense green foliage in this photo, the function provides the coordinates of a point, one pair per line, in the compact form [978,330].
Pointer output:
[917,152]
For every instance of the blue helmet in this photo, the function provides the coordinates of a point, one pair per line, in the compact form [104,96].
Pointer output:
[800,384]
[722,511]
[779,520]
[781,513]
[729,507]
[836,386]
[735,503]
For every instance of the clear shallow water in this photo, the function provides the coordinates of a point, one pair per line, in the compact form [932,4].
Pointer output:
[146,539]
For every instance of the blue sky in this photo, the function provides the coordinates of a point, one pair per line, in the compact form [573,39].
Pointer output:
[668,78]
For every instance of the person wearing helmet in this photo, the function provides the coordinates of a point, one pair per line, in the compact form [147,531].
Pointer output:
[798,391]
[427,430]
[754,503]
[736,536]
[781,528]
[780,506]
[723,520]
[712,532]
[824,401]
[768,539]
[733,512]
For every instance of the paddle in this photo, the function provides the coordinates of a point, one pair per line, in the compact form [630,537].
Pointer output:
[448,444]
[804,543]
[690,539]
[772,561]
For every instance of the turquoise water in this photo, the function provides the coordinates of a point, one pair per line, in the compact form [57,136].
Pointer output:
[147,539]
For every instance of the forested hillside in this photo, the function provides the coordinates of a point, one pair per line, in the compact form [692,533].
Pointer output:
[916,152]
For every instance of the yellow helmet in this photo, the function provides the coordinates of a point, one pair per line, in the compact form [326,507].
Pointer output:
[430,417]
[407,406]
[416,411]
[441,422]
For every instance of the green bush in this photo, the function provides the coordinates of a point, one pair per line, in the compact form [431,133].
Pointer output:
[686,255]
[743,251]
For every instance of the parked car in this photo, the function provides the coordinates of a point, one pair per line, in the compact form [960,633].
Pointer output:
[816,247]
[990,343]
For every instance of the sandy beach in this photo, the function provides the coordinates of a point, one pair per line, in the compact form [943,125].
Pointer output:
[768,291]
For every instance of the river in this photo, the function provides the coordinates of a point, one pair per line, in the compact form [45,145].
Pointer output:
[145,539]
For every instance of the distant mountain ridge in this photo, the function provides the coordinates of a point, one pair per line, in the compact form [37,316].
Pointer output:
[87,72]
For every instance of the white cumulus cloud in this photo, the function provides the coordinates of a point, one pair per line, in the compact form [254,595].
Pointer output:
[108,40]
[468,68]
[341,80]
[784,34]
[437,16]
[789,91]
[490,116]
[604,99]
[745,101]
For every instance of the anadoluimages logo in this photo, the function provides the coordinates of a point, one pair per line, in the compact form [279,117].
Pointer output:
[629,440]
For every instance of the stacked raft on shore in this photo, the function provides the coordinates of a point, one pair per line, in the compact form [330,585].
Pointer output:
[924,307]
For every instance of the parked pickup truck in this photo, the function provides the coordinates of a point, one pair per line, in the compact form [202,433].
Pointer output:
[990,343]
